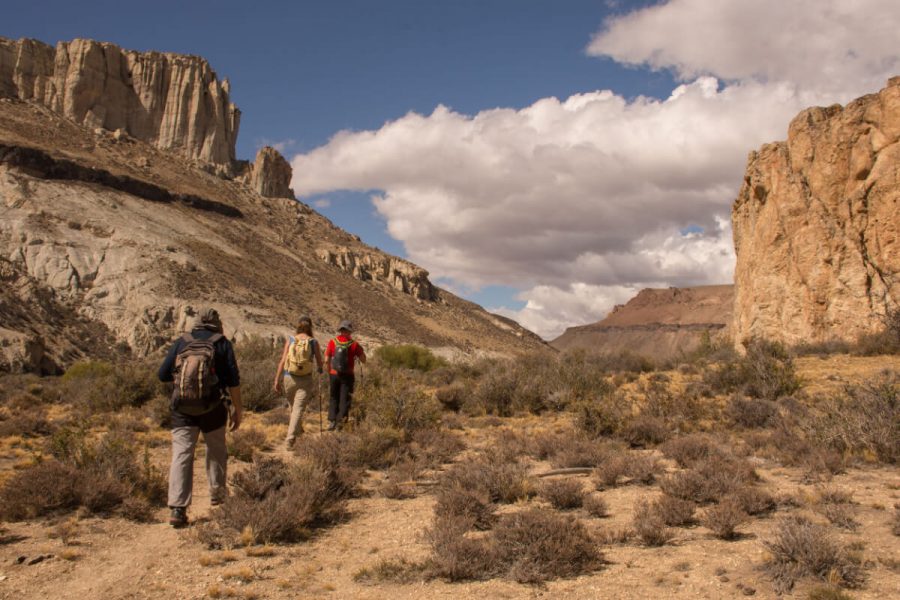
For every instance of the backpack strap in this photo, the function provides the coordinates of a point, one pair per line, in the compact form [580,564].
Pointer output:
[187,337]
[215,338]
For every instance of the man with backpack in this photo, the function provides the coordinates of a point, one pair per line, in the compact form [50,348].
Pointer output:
[341,355]
[204,370]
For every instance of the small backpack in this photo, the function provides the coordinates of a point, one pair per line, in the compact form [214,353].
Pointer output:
[300,357]
[196,384]
[340,360]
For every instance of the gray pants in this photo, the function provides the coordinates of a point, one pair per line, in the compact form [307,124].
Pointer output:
[298,391]
[181,474]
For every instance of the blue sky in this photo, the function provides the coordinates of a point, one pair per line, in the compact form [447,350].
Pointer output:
[624,182]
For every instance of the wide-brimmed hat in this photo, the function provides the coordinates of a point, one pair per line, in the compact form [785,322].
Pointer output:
[347,325]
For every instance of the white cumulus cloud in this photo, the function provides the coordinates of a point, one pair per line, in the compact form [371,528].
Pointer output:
[581,201]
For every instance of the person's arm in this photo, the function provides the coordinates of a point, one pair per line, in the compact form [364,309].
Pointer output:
[238,412]
[329,352]
[165,369]
[360,353]
[279,378]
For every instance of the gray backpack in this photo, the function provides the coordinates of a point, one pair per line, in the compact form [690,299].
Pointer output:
[196,385]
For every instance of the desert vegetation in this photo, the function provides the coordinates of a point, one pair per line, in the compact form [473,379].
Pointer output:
[527,471]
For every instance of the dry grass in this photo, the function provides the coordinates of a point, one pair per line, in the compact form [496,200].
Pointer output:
[801,548]
[724,518]
[563,494]
[649,526]
[245,443]
[596,506]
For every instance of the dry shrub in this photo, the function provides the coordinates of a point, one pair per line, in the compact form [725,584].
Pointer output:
[435,447]
[801,548]
[724,518]
[601,416]
[374,447]
[895,523]
[865,419]
[99,475]
[609,472]
[452,396]
[649,526]
[31,422]
[827,592]
[472,506]
[680,411]
[398,570]
[836,505]
[503,481]
[537,545]
[688,449]
[595,506]
[393,400]
[563,494]
[273,501]
[577,451]
[257,357]
[336,455]
[709,480]
[244,443]
[456,555]
[94,386]
[753,500]
[510,387]
[674,512]
[751,413]
[765,371]
[399,482]
[645,430]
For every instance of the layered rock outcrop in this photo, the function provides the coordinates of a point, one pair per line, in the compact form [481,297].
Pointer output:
[172,101]
[817,225]
[270,174]
[657,323]
[382,268]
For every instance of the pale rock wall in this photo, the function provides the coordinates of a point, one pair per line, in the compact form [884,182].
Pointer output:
[395,272]
[172,101]
[269,175]
[816,225]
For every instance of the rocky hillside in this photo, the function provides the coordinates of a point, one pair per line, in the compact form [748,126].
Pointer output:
[657,323]
[817,225]
[110,241]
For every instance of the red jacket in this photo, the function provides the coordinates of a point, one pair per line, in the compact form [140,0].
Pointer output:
[355,350]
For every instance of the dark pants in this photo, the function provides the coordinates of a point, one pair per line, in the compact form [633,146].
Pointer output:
[341,396]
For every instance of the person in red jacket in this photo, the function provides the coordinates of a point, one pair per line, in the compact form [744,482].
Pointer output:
[340,356]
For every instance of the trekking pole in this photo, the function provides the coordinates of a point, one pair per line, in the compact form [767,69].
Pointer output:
[319,394]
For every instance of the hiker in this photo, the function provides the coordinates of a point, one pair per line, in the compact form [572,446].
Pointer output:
[341,355]
[294,375]
[205,372]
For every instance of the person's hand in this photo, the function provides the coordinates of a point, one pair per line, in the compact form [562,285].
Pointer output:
[278,386]
[235,418]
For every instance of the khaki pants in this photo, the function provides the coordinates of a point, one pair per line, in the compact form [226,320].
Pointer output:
[298,391]
[181,473]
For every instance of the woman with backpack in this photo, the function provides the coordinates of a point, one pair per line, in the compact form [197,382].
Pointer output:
[294,375]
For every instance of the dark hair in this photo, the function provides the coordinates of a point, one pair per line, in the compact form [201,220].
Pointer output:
[304,325]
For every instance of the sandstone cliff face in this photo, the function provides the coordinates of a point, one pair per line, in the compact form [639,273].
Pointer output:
[395,272]
[657,323]
[174,102]
[270,174]
[817,225]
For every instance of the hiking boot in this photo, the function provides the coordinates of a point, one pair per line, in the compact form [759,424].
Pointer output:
[178,517]
[332,425]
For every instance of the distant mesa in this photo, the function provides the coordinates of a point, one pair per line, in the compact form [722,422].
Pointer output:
[657,323]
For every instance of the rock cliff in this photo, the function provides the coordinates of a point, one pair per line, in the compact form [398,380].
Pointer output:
[657,323]
[400,274]
[270,174]
[817,225]
[172,101]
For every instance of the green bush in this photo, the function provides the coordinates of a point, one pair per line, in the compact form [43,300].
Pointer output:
[257,359]
[392,400]
[408,356]
[766,371]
